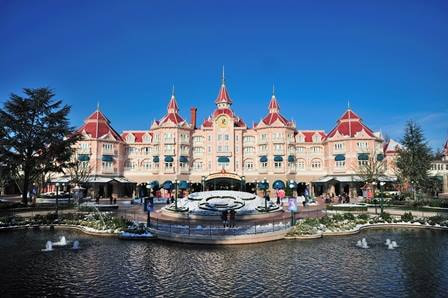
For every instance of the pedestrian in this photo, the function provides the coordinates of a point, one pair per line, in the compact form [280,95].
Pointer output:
[115,201]
[232,218]
[278,199]
[110,200]
[224,218]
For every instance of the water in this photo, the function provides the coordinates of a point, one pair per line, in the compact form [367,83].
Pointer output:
[325,267]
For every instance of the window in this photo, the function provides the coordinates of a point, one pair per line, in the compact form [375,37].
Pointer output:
[340,163]
[219,137]
[277,136]
[316,138]
[184,137]
[338,146]
[209,149]
[226,148]
[291,164]
[278,147]
[264,164]
[107,147]
[264,137]
[197,139]
[219,148]
[291,149]
[168,137]
[168,165]
[132,150]
[209,165]
[237,149]
[278,164]
[130,138]
[84,146]
[84,164]
[300,139]
[248,139]
[147,139]
[363,162]
[209,138]
[184,148]
[198,149]
[263,148]
[107,164]
[223,164]
[226,137]
[301,164]
[316,149]
[146,150]
[300,149]
[156,138]
[237,164]
[248,149]
[362,145]
[197,165]
[316,164]
[249,165]
[146,165]
[236,138]
[183,165]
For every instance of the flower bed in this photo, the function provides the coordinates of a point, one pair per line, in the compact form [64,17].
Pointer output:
[347,222]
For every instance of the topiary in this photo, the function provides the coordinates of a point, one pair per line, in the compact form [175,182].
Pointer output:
[349,216]
[407,216]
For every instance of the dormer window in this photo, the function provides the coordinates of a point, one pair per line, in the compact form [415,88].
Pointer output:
[130,138]
[316,139]
[147,138]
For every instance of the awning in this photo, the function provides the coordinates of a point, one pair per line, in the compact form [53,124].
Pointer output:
[324,179]
[264,158]
[278,158]
[61,179]
[291,158]
[183,184]
[380,157]
[96,179]
[263,185]
[278,184]
[83,157]
[169,158]
[167,185]
[108,158]
[350,178]
[363,156]
[122,180]
[183,159]
[155,159]
[223,159]
[339,157]
[154,184]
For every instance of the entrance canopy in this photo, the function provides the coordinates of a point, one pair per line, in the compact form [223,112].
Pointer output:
[278,184]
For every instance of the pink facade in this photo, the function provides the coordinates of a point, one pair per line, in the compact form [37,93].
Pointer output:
[273,149]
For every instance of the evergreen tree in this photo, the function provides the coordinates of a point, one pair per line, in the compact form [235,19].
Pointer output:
[35,136]
[414,159]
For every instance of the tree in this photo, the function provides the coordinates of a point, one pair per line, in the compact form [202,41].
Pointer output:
[35,137]
[372,169]
[79,172]
[414,159]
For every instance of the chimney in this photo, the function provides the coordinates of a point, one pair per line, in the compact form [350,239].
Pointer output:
[193,111]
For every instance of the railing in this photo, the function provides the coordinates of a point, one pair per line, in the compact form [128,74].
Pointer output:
[187,227]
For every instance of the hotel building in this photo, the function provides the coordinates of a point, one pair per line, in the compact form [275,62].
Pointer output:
[223,152]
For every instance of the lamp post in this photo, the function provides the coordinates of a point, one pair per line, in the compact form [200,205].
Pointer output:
[265,183]
[243,183]
[57,198]
[175,195]
[374,185]
[381,196]
[203,183]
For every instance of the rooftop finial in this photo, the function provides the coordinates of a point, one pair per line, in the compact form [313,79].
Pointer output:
[97,105]
[223,79]
[173,94]
[348,104]
[273,90]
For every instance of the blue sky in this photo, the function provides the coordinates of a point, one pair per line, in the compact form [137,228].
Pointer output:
[389,58]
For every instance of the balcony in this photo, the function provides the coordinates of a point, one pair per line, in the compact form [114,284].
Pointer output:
[184,170]
[169,170]
[185,141]
[84,150]
[185,152]
[169,152]
[169,141]
[108,151]
[278,140]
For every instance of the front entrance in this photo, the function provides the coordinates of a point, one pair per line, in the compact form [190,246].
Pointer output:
[224,181]
[223,184]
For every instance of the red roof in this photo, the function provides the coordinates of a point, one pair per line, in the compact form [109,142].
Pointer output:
[172,105]
[237,121]
[172,114]
[97,125]
[349,125]
[274,113]
[309,135]
[137,134]
[223,95]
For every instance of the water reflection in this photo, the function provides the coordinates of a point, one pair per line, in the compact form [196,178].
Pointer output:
[323,267]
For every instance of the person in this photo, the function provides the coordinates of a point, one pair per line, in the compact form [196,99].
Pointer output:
[115,201]
[110,199]
[232,218]
[304,202]
[97,198]
[224,218]
[278,199]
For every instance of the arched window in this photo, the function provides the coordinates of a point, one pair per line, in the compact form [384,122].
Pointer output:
[301,164]
[316,164]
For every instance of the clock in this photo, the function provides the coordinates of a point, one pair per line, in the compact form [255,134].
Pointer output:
[222,122]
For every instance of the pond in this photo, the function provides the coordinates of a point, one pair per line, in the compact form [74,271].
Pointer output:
[289,268]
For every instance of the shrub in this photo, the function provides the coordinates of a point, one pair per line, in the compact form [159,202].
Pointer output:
[407,216]
[363,216]
[436,220]
[349,216]
[325,220]
[338,217]
[386,217]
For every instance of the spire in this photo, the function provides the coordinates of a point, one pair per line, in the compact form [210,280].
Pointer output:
[273,104]
[348,104]
[223,95]
[172,105]
[223,78]
[97,106]
[173,93]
